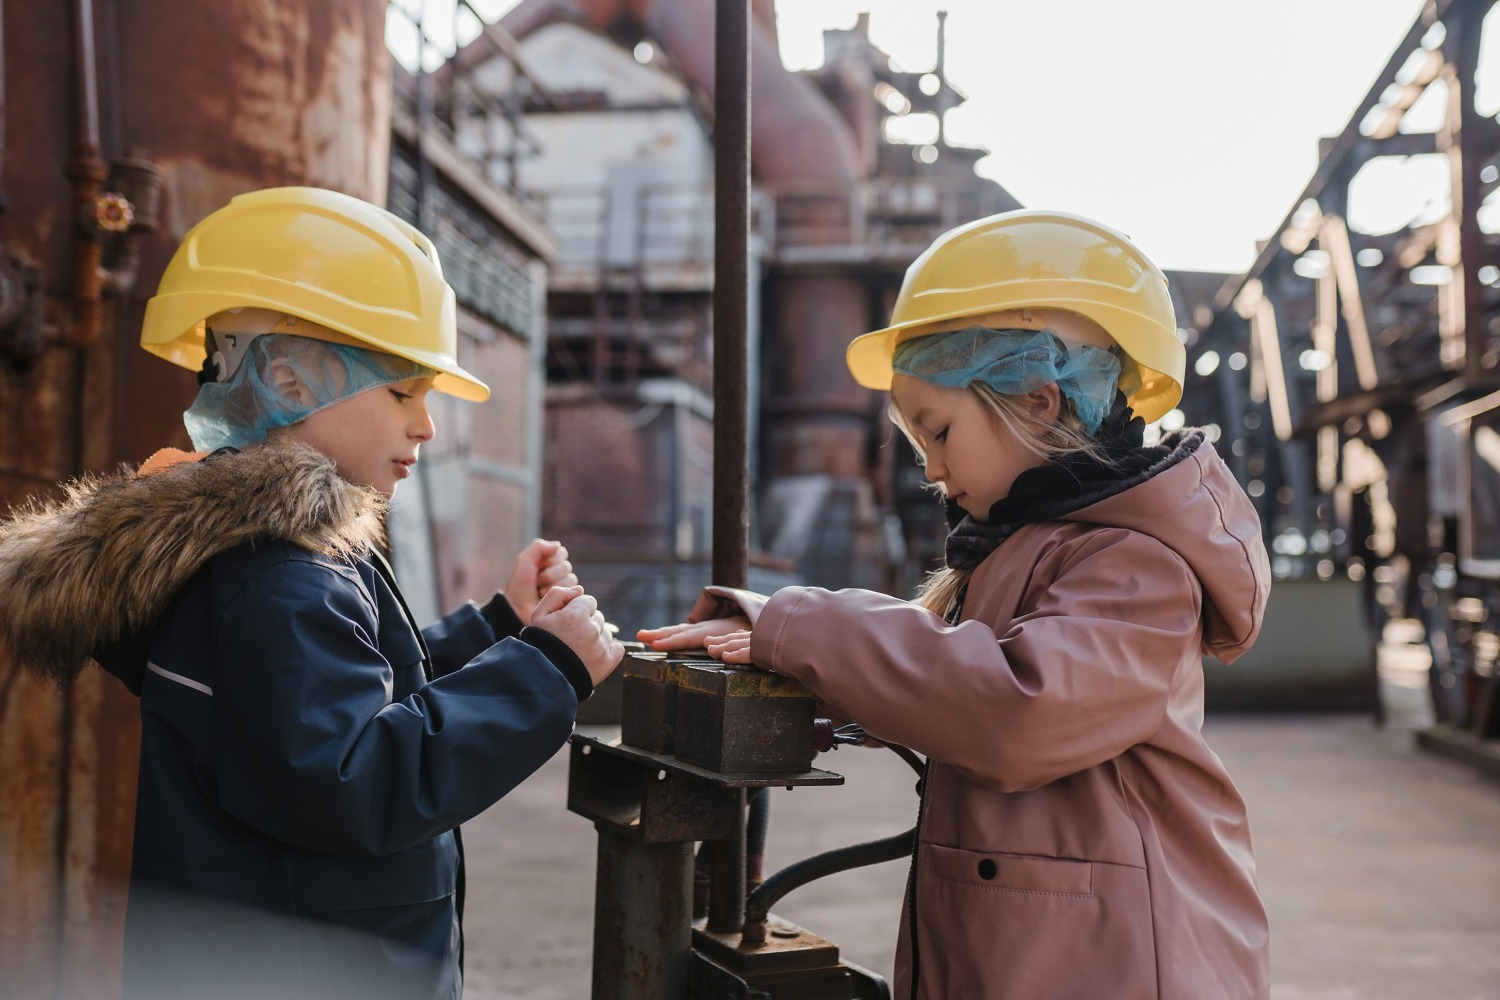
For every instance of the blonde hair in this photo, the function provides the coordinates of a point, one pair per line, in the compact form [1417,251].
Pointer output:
[1048,440]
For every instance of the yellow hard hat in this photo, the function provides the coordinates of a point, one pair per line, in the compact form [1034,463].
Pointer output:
[1016,262]
[321,256]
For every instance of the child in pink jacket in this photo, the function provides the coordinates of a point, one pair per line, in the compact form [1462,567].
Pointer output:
[1078,838]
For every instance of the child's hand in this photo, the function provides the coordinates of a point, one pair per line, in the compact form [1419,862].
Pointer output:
[541,566]
[731,648]
[692,635]
[574,617]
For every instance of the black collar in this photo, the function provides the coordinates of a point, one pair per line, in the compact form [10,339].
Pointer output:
[1065,484]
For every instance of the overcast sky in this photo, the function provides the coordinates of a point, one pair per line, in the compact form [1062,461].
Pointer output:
[1191,125]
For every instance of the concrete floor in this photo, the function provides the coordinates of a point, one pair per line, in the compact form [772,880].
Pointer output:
[1379,865]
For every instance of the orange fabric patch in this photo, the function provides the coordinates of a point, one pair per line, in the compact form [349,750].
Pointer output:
[168,457]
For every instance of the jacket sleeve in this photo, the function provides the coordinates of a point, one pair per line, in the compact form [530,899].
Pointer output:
[464,633]
[309,748]
[1078,679]
[456,638]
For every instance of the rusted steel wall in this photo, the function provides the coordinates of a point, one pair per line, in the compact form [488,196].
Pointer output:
[223,98]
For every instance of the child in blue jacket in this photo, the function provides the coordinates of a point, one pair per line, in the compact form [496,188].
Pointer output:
[307,753]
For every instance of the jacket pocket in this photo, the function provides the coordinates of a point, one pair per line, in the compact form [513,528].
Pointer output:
[418,874]
[1014,872]
[991,924]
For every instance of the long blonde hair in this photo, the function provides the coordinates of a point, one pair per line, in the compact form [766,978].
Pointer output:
[1048,440]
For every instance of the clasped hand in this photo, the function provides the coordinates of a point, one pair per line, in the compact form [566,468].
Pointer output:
[542,565]
[543,591]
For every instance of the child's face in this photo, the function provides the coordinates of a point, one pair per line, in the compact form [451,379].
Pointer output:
[372,436]
[968,451]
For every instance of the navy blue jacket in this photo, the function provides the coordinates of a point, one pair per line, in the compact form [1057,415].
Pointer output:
[306,757]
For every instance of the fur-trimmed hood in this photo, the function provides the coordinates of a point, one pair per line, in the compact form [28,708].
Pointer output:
[90,571]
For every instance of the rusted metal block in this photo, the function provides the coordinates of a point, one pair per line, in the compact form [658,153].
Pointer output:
[606,705]
[648,700]
[743,720]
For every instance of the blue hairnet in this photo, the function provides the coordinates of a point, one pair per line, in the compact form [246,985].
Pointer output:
[241,411]
[1014,362]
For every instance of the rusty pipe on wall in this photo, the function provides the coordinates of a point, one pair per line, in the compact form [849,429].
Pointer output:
[4,201]
[87,171]
[130,209]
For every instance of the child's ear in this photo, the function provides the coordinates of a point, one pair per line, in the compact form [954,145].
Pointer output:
[1045,404]
[284,379]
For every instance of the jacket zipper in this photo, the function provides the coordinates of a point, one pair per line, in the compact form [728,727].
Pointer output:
[911,885]
[460,887]
[954,614]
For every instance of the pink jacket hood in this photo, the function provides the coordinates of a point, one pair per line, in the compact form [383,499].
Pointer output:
[1197,509]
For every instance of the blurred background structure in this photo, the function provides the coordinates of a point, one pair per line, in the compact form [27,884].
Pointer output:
[562,161]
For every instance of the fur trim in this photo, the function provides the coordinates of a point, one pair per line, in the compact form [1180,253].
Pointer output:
[86,572]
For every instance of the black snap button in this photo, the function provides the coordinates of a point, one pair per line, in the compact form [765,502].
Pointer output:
[987,869]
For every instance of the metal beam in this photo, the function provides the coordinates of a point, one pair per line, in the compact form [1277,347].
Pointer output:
[1268,338]
[1340,147]
[1466,158]
[1334,238]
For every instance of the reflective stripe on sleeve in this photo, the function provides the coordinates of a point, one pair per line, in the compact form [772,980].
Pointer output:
[179,679]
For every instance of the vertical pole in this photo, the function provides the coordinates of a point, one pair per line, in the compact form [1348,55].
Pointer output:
[4,202]
[726,899]
[425,197]
[731,377]
[942,74]
[731,516]
[425,177]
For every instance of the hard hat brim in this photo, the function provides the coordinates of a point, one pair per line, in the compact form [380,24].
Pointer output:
[187,311]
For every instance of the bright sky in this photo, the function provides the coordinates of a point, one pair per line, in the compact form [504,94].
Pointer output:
[1191,125]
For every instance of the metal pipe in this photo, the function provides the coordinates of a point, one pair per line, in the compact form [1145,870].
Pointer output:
[643,923]
[86,94]
[731,534]
[942,75]
[87,171]
[426,184]
[726,873]
[4,202]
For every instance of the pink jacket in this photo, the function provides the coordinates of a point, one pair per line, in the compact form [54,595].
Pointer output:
[1078,838]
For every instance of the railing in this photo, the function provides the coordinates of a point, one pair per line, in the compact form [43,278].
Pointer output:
[666,230]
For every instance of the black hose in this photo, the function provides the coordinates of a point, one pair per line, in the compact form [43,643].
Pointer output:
[760,900]
[794,876]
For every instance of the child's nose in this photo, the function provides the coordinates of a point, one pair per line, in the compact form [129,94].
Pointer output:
[422,427]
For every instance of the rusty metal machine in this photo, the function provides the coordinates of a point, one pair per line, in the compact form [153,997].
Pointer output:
[695,738]
[695,741]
